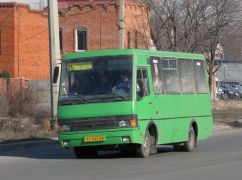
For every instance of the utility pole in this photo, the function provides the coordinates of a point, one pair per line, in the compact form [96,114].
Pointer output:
[121,24]
[54,47]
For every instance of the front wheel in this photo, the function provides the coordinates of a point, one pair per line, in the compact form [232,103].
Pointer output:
[143,150]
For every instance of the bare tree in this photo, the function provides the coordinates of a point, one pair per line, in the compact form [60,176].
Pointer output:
[193,25]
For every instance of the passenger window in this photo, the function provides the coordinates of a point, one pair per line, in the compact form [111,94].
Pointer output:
[186,76]
[142,83]
[171,77]
[157,75]
[200,77]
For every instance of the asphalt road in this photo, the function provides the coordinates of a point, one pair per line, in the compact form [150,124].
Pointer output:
[218,158]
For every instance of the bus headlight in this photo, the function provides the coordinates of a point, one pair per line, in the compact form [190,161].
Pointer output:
[128,123]
[124,123]
[66,128]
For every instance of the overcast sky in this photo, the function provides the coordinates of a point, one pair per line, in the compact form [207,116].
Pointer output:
[34,4]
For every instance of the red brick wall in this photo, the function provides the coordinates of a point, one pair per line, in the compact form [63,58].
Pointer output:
[7,38]
[100,18]
[31,44]
[100,22]
[25,46]
[136,19]
[26,54]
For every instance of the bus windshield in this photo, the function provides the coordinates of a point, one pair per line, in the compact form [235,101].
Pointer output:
[96,80]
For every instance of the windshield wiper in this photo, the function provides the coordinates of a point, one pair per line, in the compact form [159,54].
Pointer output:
[79,99]
[120,96]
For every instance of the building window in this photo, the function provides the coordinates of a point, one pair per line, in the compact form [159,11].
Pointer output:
[136,40]
[60,36]
[129,40]
[81,39]
[0,42]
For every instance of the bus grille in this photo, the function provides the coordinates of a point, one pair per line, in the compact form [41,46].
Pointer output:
[97,125]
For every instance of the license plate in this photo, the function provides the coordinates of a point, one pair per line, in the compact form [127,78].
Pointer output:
[94,139]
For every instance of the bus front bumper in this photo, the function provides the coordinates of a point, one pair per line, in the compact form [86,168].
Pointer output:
[101,138]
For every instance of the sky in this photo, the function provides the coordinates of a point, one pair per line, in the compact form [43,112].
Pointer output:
[34,4]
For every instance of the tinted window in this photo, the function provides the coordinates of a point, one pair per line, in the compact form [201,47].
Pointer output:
[186,76]
[200,77]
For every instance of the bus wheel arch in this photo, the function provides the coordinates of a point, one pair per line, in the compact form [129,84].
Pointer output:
[191,143]
[195,127]
[151,137]
[152,128]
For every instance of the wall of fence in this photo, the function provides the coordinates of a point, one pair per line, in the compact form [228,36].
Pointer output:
[21,96]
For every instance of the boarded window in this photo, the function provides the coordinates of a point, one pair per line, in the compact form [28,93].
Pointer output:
[186,76]
[200,76]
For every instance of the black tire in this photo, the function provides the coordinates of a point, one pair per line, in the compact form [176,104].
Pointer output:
[178,147]
[85,152]
[191,143]
[143,150]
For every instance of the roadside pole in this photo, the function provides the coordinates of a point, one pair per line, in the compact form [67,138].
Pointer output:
[54,47]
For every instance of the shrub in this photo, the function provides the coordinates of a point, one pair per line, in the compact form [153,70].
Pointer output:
[5,74]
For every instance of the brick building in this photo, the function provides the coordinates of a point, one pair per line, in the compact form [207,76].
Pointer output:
[84,25]
[24,47]
[93,25]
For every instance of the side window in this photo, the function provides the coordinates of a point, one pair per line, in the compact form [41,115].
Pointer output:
[200,77]
[171,76]
[186,76]
[142,83]
[156,75]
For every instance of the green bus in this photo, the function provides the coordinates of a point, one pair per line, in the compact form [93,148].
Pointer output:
[133,100]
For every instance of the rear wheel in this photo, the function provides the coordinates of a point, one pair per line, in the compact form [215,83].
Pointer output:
[85,152]
[143,150]
[190,144]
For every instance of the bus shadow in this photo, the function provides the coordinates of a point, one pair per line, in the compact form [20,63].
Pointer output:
[52,150]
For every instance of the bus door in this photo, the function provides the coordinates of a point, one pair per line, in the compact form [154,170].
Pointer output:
[144,99]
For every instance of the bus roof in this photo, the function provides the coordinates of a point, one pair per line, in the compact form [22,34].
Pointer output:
[132,52]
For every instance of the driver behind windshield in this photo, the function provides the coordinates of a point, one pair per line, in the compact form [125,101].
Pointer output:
[123,84]
[76,86]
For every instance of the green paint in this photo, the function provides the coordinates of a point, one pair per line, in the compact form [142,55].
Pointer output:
[171,113]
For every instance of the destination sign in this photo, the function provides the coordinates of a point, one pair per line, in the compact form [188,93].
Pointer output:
[80,66]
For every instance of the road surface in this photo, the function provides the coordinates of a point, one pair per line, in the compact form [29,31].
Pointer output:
[218,158]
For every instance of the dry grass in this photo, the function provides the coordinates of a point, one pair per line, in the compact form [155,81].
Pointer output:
[227,105]
[23,128]
[227,111]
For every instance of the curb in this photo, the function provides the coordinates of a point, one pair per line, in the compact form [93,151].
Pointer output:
[221,127]
[27,144]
